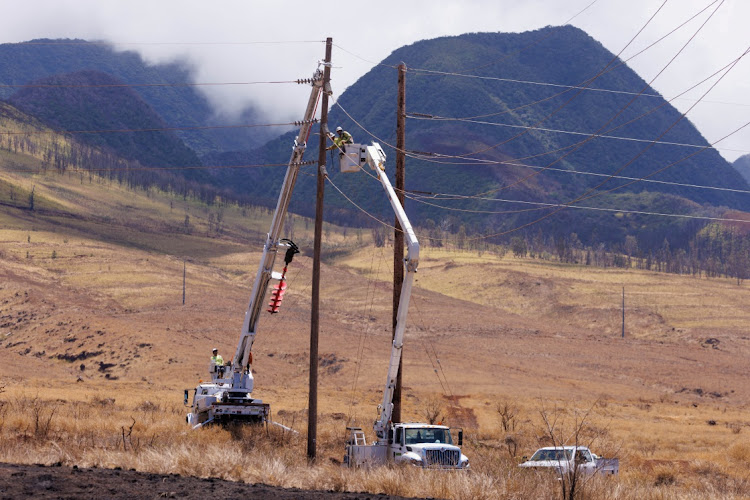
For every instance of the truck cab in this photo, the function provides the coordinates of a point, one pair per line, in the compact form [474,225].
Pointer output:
[417,444]
[426,446]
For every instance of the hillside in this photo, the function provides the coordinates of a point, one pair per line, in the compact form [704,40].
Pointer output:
[107,111]
[742,164]
[162,86]
[98,344]
[503,108]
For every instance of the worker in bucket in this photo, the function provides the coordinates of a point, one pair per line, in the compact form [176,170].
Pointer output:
[340,140]
[216,358]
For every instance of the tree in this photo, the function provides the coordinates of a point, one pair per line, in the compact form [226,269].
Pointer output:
[508,413]
[518,246]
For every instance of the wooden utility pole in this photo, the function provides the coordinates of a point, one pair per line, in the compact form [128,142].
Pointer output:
[623,312]
[312,408]
[184,271]
[398,236]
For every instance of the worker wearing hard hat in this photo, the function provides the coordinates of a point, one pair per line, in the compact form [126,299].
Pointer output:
[216,358]
[340,140]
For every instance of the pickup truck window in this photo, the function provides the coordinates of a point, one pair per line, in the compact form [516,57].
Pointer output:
[559,455]
[427,435]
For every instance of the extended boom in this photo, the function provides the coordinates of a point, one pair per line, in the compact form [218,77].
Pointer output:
[227,397]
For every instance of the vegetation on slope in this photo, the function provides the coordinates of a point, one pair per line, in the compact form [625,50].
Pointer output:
[564,57]
[742,164]
[162,86]
[110,115]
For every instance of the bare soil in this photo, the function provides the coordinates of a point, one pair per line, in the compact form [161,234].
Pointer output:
[39,481]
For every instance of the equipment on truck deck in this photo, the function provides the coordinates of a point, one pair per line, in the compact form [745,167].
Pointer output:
[227,398]
[419,444]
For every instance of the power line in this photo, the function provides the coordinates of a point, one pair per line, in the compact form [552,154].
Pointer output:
[599,209]
[591,192]
[120,85]
[364,59]
[619,112]
[483,162]
[579,172]
[542,205]
[534,43]
[587,134]
[559,108]
[582,85]
[374,63]
[113,43]
[163,168]
[157,129]
[565,148]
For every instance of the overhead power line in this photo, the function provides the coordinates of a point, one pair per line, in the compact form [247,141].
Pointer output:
[598,209]
[422,156]
[542,205]
[622,109]
[586,134]
[111,43]
[157,129]
[583,85]
[118,85]
[77,170]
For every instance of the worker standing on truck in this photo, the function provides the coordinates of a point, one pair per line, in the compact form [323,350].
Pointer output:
[340,140]
[216,358]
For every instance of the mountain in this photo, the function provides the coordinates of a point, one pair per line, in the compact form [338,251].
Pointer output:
[742,165]
[165,87]
[108,111]
[519,100]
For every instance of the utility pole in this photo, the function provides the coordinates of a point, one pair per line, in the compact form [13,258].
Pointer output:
[398,235]
[623,312]
[312,407]
[184,267]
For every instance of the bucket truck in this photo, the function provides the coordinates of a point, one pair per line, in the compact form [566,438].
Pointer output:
[418,444]
[227,397]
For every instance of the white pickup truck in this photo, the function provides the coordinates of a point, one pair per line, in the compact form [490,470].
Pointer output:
[564,458]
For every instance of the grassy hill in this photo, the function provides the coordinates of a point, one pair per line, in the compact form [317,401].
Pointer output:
[97,343]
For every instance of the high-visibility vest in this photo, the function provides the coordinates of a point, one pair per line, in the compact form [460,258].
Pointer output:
[345,138]
[217,359]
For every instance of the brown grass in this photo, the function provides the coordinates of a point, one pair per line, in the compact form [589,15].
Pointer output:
[147,436]
[97,349]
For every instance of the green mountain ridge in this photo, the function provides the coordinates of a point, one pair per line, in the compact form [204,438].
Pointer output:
[109,114]
[552,141]
[515,127]
[742,165]
[165,87]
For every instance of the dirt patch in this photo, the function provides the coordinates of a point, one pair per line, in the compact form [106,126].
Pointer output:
[38,481]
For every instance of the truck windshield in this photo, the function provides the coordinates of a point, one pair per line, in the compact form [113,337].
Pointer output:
[427,435]
[542,455]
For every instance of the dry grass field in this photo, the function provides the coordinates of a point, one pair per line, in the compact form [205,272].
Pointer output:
[97,348]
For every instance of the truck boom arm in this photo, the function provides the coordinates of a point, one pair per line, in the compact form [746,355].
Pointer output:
[376,159]
[265,271]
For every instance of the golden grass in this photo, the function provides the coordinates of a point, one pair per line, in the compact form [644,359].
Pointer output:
[540,289]
[117,429]
[532,333]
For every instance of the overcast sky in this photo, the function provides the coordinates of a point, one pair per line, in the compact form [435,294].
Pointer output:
[218,40]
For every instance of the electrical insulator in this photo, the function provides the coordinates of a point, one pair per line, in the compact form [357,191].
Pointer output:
[277,294]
